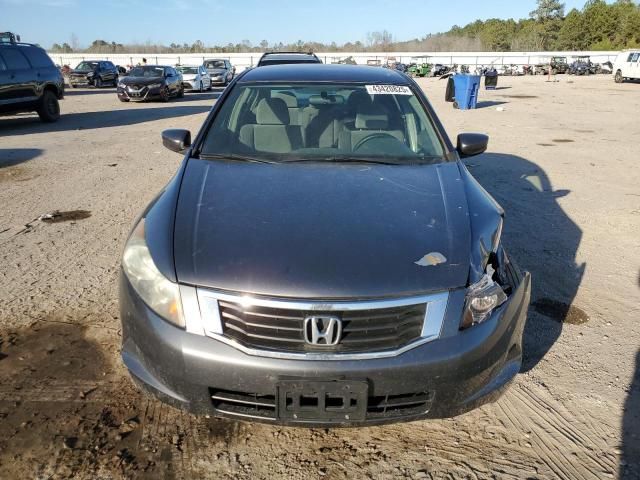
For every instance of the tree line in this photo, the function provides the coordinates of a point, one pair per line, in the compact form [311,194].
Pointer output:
[597,26]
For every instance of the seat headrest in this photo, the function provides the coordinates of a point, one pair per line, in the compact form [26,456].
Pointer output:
[359,100]
[372,121]
[288,97]
[272,111]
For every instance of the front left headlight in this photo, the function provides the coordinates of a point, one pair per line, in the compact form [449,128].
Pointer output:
[159,293]
[482,298]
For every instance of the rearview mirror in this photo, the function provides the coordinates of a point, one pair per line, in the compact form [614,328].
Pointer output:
[176,140]
[470,144]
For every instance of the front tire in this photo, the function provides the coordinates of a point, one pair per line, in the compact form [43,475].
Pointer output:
[201,86]
[619,78]
[49,109]
[164,94]
[181,93]
[123,100]
[98,82]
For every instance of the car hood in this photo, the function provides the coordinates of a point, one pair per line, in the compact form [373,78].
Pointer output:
[322,231]
[217,71]
[80,72]
[189,76]
[129,80]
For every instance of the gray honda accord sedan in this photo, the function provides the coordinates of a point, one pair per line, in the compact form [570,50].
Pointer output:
[322,257]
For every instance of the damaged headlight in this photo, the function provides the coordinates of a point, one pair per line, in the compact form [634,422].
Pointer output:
[159,293]
[481,299]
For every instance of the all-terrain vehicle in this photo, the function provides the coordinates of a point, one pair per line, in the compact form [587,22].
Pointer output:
[582,66]
[557,64]
[419,67]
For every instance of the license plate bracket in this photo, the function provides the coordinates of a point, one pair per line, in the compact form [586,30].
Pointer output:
[337,401]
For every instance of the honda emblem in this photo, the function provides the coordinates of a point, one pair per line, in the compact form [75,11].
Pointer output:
[322,330]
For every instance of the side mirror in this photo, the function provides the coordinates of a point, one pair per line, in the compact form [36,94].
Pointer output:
[176,140]
[470,144]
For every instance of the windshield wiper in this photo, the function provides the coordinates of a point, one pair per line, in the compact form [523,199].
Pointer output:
[233,156]
[342,160]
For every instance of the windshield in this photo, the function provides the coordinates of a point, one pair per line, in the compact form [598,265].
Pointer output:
[188,70]
[214,64]
[315,122]
[87,66]
[148,71]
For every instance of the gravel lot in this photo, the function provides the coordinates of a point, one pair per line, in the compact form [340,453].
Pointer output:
[563,162]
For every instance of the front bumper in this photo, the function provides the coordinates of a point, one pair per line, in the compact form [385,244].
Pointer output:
[219,80]
[79,81]
[138,95]
[454,374]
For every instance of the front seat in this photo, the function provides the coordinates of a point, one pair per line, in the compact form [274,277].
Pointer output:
[272,132]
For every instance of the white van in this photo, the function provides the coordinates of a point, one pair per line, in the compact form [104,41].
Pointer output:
[627,66]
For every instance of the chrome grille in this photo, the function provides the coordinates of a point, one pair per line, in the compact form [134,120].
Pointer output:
[271,328]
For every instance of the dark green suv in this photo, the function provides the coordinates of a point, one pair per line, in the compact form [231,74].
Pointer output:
[29,81]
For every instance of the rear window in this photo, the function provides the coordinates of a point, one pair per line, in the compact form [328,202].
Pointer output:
[38,57]
[295,122]
[14,59]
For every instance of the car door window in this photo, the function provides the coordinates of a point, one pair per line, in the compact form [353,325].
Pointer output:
[14,59]
[2,65]
[38,57]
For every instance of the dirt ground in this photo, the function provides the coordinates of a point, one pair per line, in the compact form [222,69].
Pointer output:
[563,162]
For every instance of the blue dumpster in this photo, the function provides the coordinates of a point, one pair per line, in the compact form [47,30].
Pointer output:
[466,91]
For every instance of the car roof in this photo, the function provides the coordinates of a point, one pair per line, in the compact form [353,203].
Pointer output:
[318,72]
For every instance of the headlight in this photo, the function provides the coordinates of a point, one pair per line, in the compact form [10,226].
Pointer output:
[121,85]
[155,85]
[481,299]
[90,74]
[159,293]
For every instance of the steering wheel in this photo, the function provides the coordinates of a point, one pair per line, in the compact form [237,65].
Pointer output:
[370,138]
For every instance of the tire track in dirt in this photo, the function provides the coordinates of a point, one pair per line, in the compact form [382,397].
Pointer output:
[571,449]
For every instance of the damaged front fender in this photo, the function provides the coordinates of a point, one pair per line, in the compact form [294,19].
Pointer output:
[486,219]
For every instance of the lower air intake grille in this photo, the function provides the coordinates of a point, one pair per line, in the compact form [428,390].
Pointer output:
[260,406]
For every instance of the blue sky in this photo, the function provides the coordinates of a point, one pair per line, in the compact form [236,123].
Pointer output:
[224,21]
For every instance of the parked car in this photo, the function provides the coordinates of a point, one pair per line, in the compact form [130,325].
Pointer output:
[148,82]
[29,80]
[287,58]
[195,77]
[94,72]
[627,66]
[346,270]
[220,70]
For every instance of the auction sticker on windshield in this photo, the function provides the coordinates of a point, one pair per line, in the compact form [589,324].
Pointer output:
[388,90]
